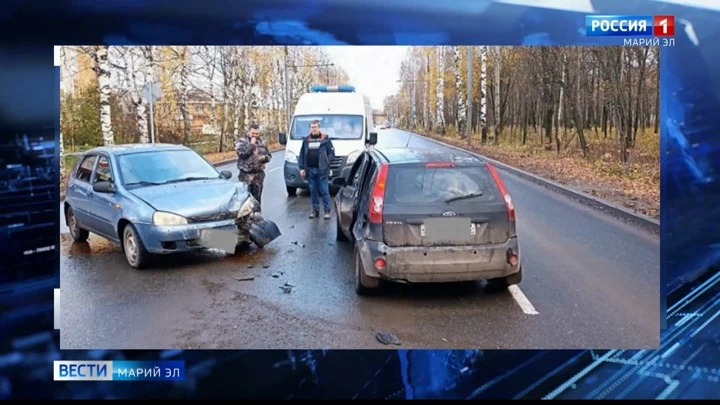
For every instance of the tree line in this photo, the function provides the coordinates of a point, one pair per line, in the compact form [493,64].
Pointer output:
[553,96]
[106,99]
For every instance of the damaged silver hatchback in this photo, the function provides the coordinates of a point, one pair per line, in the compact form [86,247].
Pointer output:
[158,199]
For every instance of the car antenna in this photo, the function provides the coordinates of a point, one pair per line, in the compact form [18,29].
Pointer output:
[408,142]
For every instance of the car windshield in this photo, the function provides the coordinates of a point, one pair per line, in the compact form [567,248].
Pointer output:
[335,126]
[451,185]
[160,167]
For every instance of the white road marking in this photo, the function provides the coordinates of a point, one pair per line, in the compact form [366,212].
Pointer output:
[522,300]
[273,169]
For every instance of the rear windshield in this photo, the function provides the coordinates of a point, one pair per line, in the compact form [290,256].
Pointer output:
[427,185]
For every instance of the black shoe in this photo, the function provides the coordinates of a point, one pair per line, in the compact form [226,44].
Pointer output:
[314,214]
[327,214]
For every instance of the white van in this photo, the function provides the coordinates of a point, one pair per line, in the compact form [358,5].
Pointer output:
[344,115]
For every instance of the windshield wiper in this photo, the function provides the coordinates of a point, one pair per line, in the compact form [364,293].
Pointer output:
[143,183]
[189,179]
[463,197]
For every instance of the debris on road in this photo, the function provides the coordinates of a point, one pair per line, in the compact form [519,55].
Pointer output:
[290,285]
[266,266]
[250,266]
[277,274]
[286,288]
[296,243]
[245,278]
[387,338]
[444,340]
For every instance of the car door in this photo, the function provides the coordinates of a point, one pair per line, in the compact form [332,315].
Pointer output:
[79,190]
[365,183]
[103,205]
[346,196]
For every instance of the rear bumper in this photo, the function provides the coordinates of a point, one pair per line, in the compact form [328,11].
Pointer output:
[183,238]
[439,264]
[291,173]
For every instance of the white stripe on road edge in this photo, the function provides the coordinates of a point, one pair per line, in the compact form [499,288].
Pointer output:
[272,170]
[522,300]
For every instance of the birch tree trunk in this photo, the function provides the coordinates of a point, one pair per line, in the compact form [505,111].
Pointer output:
[149,66]
[483,94]
[102,71]
[440,91]
[462,108]
[135,79]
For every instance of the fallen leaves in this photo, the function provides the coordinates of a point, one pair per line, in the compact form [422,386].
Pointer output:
[636,187]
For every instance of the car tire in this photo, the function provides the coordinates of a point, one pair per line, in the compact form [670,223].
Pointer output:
[364,285]
[135,253]
[504,282]
[339,235]
[292,191]
[76,233]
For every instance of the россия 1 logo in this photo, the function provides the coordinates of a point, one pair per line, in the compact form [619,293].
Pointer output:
[659,28]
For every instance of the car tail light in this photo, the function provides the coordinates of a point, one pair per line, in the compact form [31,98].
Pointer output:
[377,198]
[503,191]
[380,263]
[439,165]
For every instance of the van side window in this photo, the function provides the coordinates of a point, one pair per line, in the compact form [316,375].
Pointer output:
[85,169]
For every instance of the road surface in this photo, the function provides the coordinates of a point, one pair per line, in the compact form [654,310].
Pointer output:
[590,281]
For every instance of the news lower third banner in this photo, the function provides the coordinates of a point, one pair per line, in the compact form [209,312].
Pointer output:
[84,370]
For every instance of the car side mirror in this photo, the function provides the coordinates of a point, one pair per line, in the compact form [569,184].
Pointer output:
[226,174]
[104,187]
[372,139]
[282,138]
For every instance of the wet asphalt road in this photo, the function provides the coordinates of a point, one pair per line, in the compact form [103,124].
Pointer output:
[590,281]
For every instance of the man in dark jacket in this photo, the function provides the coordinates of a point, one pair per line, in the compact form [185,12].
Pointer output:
[252,157]
[316,153]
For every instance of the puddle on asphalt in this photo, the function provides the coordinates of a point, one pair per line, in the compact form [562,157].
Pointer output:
[94,245]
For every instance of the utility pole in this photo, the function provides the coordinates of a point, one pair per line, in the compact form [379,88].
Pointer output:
[287,66]
[469,103]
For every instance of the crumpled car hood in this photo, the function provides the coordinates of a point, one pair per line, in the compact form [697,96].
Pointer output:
[195,198]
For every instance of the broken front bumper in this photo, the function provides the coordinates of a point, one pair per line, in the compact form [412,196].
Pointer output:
[439,264]
[185,238]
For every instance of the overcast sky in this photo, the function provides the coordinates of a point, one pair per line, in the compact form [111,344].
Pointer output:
[373,70]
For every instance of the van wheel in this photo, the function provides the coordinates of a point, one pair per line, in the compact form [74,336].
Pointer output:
[364,285]
[504,282]
[339,235]
[135,253]
[76,233]
[292,191]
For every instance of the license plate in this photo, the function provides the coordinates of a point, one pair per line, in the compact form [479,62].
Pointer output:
[222,239]
[443,229]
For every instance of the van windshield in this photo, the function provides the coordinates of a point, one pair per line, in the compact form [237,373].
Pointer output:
[335,126]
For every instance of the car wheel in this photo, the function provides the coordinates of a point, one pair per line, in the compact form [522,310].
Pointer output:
[364,285]
[292,191]
[135,253]
[76,233]
[339,235]
[513,279]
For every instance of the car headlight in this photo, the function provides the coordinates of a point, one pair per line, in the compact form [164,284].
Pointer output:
[247,208]
[290,157]
[168,219]
[352,157]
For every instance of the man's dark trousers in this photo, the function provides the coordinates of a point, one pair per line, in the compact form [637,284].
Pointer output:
[319,187]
